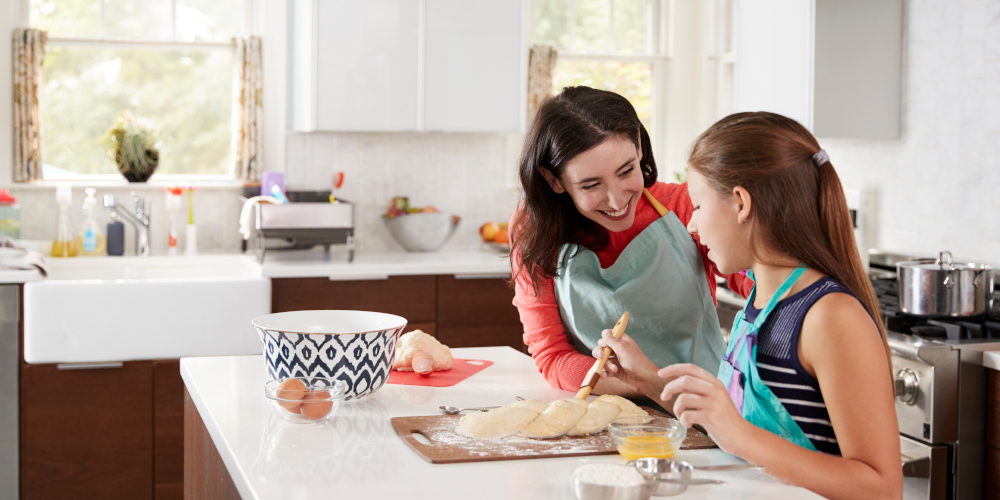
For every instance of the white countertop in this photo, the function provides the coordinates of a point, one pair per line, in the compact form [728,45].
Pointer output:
[12,276]
[358,454]
[367,265]
[292,264]
[991,359]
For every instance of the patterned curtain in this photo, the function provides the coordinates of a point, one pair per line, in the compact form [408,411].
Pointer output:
[29,51]
[248,126]
[541,62]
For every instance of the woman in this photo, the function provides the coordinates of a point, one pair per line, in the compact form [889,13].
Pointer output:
[805,389]
[596,236]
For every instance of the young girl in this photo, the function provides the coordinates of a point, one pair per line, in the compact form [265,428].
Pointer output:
[596,236]
[805,387]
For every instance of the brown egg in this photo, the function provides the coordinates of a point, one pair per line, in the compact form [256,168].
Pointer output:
[423,363]
[313,409]
[292,388]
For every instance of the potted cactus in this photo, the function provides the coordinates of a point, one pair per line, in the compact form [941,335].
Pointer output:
[132,144]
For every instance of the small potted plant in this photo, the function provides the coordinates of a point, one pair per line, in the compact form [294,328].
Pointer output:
[132,144]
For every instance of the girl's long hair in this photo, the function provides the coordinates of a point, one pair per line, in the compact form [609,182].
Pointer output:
[566,125]
[799,208]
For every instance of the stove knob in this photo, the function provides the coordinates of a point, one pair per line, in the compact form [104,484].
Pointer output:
[907,386]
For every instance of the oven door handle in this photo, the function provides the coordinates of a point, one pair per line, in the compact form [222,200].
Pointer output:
[917,467]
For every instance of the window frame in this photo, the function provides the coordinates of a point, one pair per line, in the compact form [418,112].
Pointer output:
[659,48]
[103,42]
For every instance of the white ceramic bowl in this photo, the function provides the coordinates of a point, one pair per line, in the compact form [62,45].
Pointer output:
[354,346]
[422,232]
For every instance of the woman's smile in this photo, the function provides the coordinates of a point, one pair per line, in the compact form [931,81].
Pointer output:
[619,215]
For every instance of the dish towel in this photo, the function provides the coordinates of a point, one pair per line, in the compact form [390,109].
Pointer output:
[15,257]
[246,226]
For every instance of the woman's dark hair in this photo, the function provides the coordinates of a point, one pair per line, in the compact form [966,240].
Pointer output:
[798,207]
[566,125]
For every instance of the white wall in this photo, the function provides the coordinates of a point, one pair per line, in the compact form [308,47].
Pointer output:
[937,187]
[10,18]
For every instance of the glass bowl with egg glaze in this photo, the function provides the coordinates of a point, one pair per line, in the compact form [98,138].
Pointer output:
[303,400]
[640,437]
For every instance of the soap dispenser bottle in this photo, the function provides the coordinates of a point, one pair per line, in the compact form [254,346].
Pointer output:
[91,239]
[64,244]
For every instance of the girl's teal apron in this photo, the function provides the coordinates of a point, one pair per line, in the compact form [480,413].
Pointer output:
[738,372]
[659,278]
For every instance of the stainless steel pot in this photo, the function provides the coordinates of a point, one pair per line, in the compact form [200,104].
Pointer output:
[942,287]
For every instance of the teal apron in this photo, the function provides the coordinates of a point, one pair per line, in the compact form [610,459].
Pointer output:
[738,372]
[659,278]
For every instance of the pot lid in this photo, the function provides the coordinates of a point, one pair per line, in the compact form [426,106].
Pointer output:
[944,262]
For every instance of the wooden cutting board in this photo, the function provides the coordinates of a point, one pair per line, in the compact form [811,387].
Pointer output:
[447,447]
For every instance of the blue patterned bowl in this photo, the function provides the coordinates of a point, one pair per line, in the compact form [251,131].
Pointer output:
[354,346]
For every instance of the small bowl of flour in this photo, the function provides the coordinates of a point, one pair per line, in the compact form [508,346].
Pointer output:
[609,481]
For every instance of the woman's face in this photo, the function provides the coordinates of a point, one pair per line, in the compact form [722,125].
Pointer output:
[720,221]
[605,183]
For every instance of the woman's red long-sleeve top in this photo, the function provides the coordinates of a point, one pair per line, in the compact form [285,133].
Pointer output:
[554,355]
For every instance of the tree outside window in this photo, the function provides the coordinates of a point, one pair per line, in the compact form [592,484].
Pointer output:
[167,60]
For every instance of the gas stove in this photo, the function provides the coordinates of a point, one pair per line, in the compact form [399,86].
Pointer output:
[941,392]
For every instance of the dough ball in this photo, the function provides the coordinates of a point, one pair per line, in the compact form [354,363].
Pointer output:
[599,413]
[413,342]
[500,422]
[557,419]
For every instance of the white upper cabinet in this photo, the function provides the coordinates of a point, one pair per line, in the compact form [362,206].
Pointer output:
[355,65]
[473,66]
[408,65]
[833,65]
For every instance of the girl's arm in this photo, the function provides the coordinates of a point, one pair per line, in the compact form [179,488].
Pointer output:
[841,345]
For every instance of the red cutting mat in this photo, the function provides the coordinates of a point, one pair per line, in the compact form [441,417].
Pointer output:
[461,369]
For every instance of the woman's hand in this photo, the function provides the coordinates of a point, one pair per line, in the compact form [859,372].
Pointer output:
[703,399]
[628,364]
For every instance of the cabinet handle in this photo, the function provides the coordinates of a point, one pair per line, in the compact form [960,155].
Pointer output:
[361,277]
[482,276]
[89,366]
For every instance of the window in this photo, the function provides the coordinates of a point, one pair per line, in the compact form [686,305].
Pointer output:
[723,56]
[615,45]
[169,61]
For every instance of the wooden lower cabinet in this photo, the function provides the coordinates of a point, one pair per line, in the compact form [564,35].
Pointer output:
[103,433]
[478,312]
[473,312]
[992,472]
[168,430]
[87,433]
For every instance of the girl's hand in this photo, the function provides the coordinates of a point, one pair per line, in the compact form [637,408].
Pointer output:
[628,364]
[703,399]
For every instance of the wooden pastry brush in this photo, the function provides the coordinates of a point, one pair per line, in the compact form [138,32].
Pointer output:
[591,378]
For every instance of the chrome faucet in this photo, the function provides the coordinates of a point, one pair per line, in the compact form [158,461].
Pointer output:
[138,220]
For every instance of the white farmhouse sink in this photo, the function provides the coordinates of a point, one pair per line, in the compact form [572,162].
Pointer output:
[131,308]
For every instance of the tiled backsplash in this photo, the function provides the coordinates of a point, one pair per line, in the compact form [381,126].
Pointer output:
[460,174]
[937,187]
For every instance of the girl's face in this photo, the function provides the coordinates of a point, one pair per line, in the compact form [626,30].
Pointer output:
[721,222]
[605,183]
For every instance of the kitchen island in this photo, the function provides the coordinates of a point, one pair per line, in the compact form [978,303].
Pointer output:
[229,430]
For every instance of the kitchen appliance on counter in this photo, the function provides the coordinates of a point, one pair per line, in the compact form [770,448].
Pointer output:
[941,388]
[309,220]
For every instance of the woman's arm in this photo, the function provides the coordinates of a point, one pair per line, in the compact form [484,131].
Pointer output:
[840,342]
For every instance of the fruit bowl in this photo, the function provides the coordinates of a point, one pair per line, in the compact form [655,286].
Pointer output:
[422,232]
